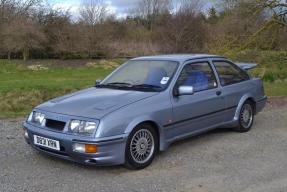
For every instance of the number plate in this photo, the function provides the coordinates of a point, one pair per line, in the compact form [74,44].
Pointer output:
[45,142]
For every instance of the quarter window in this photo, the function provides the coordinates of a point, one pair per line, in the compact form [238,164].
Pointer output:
[198,75]
[229,73]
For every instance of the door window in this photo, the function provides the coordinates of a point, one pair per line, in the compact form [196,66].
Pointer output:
[229,73]
[198,75]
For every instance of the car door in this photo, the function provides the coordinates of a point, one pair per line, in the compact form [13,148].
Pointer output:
[203,108]
[235,84]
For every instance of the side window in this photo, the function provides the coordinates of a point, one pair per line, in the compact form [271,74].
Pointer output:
[198,75]
[228,73]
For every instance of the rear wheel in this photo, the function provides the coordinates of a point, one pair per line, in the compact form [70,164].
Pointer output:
[141,147]
[246,117]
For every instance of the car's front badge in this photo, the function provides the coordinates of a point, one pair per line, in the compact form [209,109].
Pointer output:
[164,80]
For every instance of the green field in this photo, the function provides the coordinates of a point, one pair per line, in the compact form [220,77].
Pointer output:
[24,85]
[22,88]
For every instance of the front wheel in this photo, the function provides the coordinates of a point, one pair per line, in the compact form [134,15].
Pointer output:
[246,117]
[141,147]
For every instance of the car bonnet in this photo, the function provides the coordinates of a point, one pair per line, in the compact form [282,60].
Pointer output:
[93,102]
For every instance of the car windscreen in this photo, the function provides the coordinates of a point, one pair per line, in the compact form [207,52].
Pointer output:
[143,74]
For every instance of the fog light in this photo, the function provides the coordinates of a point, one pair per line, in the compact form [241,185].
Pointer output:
[79,147]
[85,148]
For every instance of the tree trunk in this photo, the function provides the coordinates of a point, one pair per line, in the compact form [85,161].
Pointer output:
[26,54]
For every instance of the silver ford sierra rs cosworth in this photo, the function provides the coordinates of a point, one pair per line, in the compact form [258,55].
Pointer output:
[144,106]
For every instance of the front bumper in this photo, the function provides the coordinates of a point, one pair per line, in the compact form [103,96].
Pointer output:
[110,150]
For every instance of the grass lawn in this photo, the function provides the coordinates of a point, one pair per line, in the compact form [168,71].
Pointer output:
[278,88]
[23,86]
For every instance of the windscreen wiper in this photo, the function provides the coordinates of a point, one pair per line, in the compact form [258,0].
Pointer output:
[131,86]
[147,86]
[116,84]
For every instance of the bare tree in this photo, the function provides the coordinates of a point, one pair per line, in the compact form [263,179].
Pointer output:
[150,10]
[190,7]
[17,32]
[10,9]
[153,7]
[155,26]
[63,36]
[184,31]
[93,12]
[22,35]
[278,10]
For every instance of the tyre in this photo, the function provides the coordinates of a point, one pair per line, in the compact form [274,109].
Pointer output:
[246,117]
[141,147]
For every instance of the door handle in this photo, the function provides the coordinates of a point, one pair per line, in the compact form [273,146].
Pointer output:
[218,93]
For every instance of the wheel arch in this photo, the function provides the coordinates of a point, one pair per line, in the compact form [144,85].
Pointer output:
[154,124]
[247,97]
[252,100]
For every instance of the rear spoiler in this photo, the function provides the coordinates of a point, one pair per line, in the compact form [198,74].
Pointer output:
[246,66]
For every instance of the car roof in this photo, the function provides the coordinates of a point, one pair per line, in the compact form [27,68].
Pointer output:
[177,57]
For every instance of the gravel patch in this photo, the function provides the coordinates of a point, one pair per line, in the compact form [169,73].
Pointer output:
[220,160]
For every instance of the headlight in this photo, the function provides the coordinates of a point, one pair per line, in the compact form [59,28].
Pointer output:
[36,117]
[82,127]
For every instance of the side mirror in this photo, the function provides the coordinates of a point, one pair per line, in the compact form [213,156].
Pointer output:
[185,90]
[98,82]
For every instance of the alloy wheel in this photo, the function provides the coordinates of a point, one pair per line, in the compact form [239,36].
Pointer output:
[142,146]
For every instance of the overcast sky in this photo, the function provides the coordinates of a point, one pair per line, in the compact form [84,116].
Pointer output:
[118,7]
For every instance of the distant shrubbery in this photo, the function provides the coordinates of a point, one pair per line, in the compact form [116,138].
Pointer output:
[33,29]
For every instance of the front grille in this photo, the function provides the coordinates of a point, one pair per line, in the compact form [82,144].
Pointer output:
[53,124]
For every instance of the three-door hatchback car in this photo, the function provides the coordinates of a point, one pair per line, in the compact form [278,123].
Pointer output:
[144,106]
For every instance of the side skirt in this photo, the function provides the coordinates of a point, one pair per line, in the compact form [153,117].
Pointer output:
[198,132]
